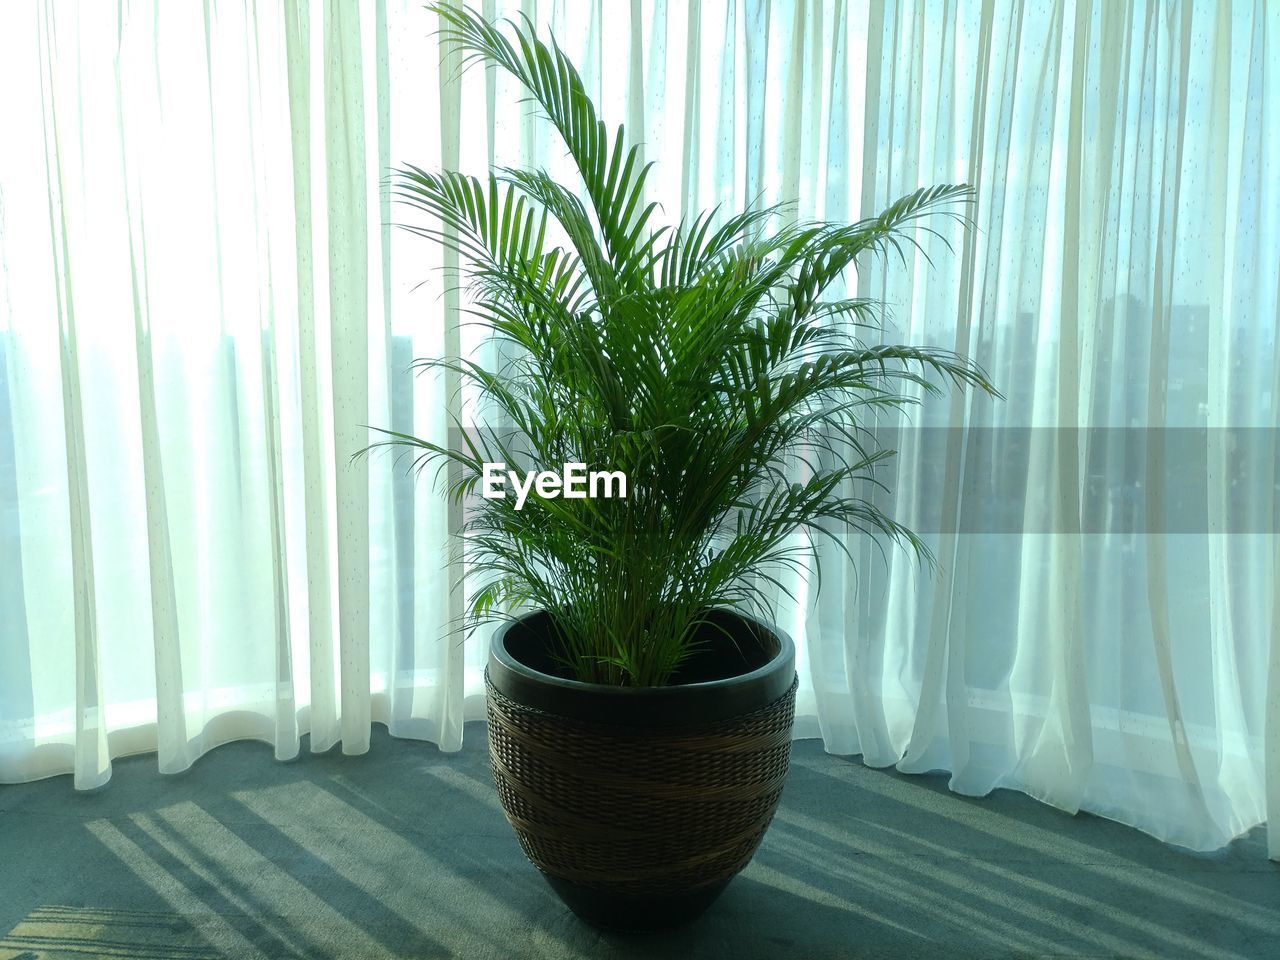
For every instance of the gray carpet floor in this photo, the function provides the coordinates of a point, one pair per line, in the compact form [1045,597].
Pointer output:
[404,853]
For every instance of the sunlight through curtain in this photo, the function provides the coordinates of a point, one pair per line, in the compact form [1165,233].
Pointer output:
[202,303]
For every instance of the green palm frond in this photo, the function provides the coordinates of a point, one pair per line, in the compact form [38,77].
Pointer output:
[612,173]
[708,362]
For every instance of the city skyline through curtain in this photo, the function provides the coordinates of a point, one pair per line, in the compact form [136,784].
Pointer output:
[202,300]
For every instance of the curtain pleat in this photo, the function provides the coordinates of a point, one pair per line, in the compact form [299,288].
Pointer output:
[322,717]
[346,180]
[92,762]
[171,718]
[452,666]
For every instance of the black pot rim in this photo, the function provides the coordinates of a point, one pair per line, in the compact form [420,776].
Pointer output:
[685,704]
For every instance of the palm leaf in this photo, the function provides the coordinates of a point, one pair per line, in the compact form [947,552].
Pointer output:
[708,362]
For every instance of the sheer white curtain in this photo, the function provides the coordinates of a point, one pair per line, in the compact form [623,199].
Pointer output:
[201,308]
[200,304]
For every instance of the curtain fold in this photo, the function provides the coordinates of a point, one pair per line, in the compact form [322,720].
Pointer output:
[203,302]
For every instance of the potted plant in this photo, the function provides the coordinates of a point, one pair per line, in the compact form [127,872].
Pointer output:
[639,702]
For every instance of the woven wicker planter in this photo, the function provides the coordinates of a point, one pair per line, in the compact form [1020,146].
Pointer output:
[639,805]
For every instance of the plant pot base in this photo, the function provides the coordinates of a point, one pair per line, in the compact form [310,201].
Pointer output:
[631,913]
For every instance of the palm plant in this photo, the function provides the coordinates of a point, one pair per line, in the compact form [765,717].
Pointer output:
[704,360]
